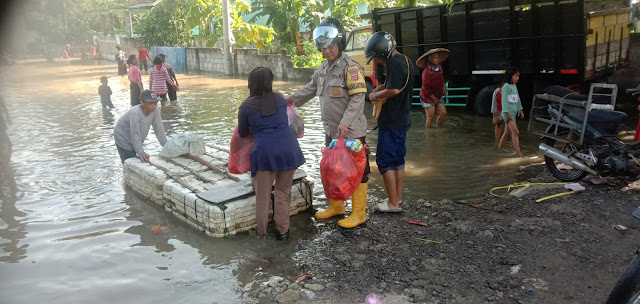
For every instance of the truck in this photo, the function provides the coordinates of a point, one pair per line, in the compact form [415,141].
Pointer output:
[571,43]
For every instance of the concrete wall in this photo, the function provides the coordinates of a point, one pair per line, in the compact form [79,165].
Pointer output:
[108,47]
[212,59]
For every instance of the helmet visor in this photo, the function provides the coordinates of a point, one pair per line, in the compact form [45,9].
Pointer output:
[370,56]
[323,36]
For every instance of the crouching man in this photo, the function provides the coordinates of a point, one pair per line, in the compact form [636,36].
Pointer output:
[133,127]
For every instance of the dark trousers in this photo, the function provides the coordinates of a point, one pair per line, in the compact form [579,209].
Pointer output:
[171,93]
[144,64]
[135,93]
[106,103]
[125,154]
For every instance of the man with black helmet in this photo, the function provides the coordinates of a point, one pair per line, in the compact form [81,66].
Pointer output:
[341,88]
[395,116]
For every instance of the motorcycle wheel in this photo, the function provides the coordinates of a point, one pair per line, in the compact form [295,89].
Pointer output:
[558,169]
[627,289]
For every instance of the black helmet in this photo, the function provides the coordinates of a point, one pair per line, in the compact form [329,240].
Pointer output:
[380,45]
[328,32]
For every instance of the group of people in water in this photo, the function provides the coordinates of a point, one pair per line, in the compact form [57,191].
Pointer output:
[162,78]
[505,101]
[341,88]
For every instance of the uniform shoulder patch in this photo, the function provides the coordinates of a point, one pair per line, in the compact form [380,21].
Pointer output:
[355,81]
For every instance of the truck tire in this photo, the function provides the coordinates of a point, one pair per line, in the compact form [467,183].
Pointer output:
[482,103]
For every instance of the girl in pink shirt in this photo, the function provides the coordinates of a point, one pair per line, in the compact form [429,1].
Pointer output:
[135,77]
[159,78]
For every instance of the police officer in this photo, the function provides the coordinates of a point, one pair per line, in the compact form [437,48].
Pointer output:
[341,88]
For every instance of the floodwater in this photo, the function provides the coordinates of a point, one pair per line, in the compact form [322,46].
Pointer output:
[71,233]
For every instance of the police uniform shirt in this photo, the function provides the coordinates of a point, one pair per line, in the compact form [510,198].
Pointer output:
[341,89]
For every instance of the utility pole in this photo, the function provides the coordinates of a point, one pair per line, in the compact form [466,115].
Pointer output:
[64,14]
[226,46]
[128,24]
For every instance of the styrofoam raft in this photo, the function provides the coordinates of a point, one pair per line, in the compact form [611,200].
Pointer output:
[157,181]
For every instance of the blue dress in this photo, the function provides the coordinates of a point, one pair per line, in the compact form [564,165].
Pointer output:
[275,146]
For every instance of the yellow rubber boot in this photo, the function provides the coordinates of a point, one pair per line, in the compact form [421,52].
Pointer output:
[335,208]
[358,208]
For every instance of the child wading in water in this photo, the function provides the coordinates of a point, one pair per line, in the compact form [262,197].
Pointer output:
[496,111]
[511,107]
[105,93]
[159,79]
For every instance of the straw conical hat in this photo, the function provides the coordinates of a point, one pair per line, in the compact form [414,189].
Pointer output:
[422,61]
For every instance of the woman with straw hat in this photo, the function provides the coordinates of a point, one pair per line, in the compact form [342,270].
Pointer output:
[433,85]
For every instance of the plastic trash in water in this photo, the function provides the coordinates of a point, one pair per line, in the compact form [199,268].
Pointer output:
[158,229]
[372,299]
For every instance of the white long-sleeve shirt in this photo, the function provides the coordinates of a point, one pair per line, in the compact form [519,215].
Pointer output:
[133,127]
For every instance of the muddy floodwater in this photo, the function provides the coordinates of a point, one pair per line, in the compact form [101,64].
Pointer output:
[72,233]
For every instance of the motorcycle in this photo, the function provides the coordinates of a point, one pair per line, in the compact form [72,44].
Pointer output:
[580,137]
[627,289]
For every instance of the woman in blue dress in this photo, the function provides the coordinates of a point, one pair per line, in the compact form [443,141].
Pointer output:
[276,153]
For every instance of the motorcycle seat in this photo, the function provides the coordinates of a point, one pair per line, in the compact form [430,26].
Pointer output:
[595,116]
[606,116]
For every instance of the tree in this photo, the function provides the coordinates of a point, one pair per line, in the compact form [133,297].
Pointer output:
[282,15]
[172,23]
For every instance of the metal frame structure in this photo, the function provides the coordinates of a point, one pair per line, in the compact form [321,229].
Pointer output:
[542,101]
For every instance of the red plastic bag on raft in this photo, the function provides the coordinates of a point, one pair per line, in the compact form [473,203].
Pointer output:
[240,153]
[341,170]
[295,121]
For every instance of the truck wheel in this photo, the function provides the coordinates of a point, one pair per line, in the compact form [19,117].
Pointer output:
[369,89]
[482,104]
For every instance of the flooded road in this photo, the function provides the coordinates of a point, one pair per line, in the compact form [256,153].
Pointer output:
[73,234]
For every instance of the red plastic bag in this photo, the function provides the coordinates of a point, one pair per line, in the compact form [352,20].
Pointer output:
[341,170]
[295,121]
[240,153]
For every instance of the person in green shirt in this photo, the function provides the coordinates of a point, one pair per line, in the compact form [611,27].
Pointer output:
[511,107]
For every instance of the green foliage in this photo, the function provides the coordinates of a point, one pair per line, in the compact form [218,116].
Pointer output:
[170,23]
[47,17]
[154,28]
[282,15]
[311,58]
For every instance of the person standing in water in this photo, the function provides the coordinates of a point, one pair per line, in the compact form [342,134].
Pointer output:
[434,87]
[105,93]
[142,57]
[135,77]
[511,107]
[496,111]
[133,127]
[159,79]
[120,60]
